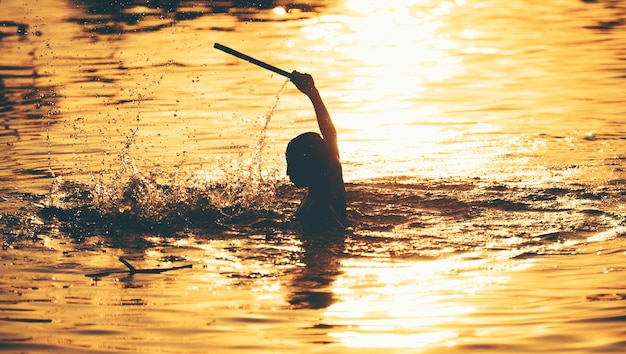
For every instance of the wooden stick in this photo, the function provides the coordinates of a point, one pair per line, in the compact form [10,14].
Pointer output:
[132,270]
[252,60]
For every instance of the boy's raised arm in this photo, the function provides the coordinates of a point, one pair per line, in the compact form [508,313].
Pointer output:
[305,83]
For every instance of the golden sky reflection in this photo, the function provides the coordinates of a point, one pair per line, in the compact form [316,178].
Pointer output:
[408,83]
[381,302]
[382,306]
[402,50]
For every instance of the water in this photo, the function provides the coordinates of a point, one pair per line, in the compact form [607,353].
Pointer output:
[483,150]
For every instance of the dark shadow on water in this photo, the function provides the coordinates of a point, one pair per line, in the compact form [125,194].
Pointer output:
[616,22]
[125,16]
[323,252]
[259,234]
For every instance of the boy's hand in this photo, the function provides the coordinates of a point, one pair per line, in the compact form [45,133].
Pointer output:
[304,82]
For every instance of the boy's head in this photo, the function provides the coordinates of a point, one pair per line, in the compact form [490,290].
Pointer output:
[307,159]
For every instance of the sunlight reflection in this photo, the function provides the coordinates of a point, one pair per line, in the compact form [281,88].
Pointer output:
[397,66]
[279,10]
[392,340]
[382,306]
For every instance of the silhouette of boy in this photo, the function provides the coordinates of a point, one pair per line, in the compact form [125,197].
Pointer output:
[313,162]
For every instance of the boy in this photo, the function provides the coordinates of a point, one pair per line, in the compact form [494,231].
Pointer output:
[313,162]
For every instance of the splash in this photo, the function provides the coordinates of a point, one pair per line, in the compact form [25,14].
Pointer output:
[257,186]
[165,201]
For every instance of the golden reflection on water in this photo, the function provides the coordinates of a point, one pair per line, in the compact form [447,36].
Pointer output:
[401,51]
[412,92]
[424,89]
[400,312]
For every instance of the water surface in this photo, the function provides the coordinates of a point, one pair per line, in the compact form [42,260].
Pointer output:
[483,150]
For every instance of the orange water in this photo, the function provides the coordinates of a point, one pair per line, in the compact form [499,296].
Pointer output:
[416,88]
[482,143]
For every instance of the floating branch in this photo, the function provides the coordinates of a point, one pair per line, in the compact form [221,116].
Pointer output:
[132,270]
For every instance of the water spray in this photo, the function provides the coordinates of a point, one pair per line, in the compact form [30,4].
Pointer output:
[253,188]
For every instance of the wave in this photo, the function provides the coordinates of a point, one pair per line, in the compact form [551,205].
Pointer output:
[394,216]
